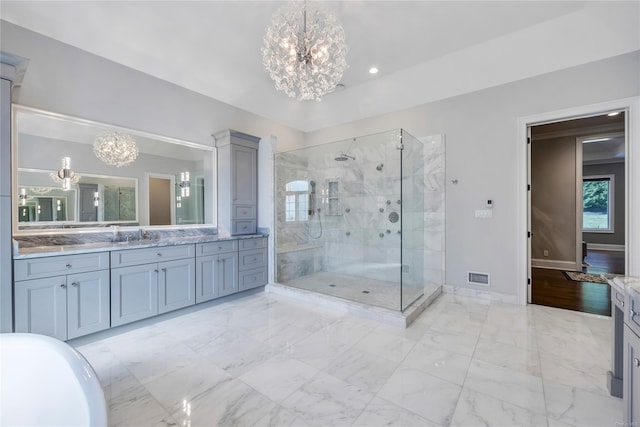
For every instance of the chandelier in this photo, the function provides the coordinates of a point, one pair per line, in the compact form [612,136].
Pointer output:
[304,50]
[115,149]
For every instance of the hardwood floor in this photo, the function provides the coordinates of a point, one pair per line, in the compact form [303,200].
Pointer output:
[552,288]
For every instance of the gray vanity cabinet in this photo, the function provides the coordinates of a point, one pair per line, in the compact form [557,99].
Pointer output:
[252,260]
[237,156]
[64,306]
[216,269]
[146,282]
[631,394]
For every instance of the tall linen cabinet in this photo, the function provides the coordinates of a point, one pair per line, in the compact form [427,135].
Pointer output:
[237,155]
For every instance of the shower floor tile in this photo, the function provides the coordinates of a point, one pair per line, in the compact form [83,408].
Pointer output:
[355,288]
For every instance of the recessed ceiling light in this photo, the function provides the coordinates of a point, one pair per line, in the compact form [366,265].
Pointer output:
[587,141]
[373,70]
[613,113]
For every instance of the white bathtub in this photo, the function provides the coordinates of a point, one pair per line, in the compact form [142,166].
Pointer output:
[44,381]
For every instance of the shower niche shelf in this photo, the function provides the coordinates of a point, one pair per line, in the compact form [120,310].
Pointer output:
[332,198]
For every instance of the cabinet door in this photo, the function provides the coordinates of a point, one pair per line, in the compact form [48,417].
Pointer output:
[227,265]
[176,284]
[244,180]
[631,394]
[134,293]
[41,306]
[87,303]
[206,278]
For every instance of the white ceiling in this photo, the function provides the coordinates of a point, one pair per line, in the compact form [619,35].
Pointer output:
[425,50]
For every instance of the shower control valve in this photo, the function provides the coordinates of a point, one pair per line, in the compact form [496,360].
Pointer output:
[381,209]
[381,235]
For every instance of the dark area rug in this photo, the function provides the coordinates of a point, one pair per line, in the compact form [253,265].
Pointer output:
[584,277]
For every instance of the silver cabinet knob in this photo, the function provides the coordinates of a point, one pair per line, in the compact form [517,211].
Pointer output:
[164,270]
[621,303]
[156,270]
[636,361]
[63,286]
[632,313]
[68,265]
[76,284]
[159,254]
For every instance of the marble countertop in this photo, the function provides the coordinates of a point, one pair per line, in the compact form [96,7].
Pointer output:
[627,284]
[83,248]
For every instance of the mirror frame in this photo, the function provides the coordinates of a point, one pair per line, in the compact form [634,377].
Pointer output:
[18,108]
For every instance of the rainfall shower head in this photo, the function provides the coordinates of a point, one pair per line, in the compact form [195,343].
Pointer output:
[344,157]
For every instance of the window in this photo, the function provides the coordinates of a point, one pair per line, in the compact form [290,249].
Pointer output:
[296,201]
[597,204]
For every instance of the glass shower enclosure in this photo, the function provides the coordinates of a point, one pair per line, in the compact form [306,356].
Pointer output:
[350,219]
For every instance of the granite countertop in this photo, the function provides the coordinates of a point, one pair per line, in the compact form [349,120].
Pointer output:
[83,248]
[627,284]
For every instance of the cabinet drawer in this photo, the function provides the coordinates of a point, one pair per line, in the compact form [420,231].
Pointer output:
[618,298]
[143,256]
[256,243]
[243,227]
[212,248]
[243,212]
[252,278]
[252,259]
[35,268]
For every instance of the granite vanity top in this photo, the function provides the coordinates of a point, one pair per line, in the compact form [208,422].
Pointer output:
[83,248]
[626,284]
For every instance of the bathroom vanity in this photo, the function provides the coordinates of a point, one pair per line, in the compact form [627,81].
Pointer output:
[71,291]
[624,378]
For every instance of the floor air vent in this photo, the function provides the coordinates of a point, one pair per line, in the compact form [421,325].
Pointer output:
[477,278]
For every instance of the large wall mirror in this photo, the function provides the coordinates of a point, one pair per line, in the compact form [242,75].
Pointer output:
[65,179]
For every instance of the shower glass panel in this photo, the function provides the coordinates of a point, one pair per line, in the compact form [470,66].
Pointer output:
[349,219]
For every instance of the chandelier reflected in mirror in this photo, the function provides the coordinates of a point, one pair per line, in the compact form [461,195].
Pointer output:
[304,50]
[115,149]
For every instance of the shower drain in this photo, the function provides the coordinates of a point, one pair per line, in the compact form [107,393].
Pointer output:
[365,292]
[332,285]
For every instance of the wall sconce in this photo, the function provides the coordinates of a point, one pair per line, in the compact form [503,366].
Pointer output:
[66,174]
[23,196]
[96,199]
[184,185]
[178,202]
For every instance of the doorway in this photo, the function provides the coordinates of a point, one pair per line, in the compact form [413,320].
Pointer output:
[577,210]
[160,196]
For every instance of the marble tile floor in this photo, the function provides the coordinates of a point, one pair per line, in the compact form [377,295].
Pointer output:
[380,293]
[265,360]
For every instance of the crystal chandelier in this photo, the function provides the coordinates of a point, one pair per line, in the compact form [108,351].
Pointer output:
[304,50]
[115,149]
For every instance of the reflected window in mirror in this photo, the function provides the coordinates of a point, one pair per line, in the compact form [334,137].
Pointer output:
[297,201]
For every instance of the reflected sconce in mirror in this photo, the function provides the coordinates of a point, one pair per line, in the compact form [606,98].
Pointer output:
[178,202]
[96,199]
[184,184]
[58,205]
[65,175]
[23,196]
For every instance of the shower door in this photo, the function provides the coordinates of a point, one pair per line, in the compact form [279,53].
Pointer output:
[413,189]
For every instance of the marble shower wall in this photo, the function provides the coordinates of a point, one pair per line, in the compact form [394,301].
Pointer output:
[353,233]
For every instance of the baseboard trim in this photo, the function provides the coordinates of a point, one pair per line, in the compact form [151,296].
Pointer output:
[481,295]
[554,265]
[605,247]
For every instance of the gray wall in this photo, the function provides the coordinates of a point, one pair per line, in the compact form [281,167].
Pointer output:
[553,199]
[67,80]
[616,169]
[481,153]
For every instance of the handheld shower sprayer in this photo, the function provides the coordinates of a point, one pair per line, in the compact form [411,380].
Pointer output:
[312,197]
